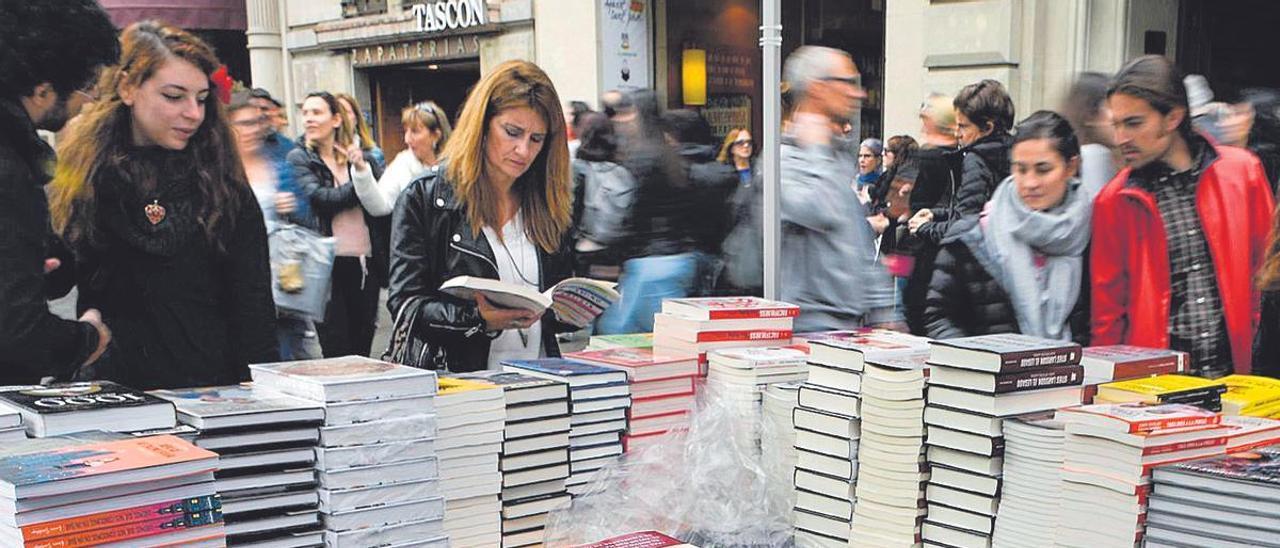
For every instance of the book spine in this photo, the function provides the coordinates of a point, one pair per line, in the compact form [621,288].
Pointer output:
[743,335]
[1208,394]
[752,314]
[1149,425]
[130,531]
[1034,379]
[1149,367]
[1184,446]
[166,510]
[1019,361]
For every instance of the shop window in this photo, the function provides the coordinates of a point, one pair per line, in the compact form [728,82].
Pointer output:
[357,8]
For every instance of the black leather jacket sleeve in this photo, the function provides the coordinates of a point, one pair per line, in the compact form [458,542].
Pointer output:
[418,240]
[317,185]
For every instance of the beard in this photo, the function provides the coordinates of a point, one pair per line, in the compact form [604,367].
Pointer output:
[55,118]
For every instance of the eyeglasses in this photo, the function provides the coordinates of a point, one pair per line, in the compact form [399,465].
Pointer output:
[851,80]
[747,142]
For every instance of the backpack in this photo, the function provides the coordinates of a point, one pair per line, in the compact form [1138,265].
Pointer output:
[608,197]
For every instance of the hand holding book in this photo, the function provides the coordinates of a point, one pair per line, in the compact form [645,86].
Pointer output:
[575,301]
[497,318]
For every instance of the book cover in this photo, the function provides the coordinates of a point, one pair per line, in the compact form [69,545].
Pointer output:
[1136,417]
[1249,392]
[240,399]
[743,335]
[877,344]
[628,340]
[330,372]
[96,459]
[561,367]
[639,539]
[1162,388]
[1124,361]
[508,380]
[176,509]
[78,396]
[1260,465]
[451,386]
[134,531]
[1248,432]
[729,308]
[626,357]
[1017,351]
[1035,379]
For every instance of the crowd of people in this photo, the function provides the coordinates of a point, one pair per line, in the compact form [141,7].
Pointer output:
[1129,216]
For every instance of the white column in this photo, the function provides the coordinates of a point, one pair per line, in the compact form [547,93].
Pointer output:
[266,55]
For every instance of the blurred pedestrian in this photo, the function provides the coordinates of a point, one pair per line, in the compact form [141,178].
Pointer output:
[571,117]
[984,115]
[711,182]
[870,164]
[45,79]
[426,130]
[275,143]
[895,146]
[169,240]
[1259,114]
[334,175]
[661,262]
[603,193]
[829,267]
[1020,267]
[1186,227]
[362,134]
[1086,108]
[935,186]
[739,151]
[499,207]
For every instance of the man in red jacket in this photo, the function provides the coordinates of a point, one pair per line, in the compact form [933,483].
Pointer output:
[1179,233]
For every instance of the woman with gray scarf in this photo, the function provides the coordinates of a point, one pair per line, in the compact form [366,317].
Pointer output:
[1020,267]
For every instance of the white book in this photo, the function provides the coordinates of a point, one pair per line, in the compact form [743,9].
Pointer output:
[344,379]
[332,500]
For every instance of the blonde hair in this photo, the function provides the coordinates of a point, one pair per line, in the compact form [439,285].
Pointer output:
[726,148]
[361,130]
[342,135]
[546,199]
[940,110]
[430,116]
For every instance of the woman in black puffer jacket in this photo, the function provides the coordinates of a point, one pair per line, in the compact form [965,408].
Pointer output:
[1020,267]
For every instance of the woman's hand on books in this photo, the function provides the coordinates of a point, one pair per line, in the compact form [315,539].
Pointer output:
[501,319]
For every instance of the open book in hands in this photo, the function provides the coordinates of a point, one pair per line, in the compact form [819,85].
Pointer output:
[576,301]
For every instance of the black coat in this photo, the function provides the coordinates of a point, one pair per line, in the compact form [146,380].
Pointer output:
[985,166]
[182,312]
[712,184]
[328,199]
[662,220]
[432,242]
[34,343]
[1266,342]
[964,300]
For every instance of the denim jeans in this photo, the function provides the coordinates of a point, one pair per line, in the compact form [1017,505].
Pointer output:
[297,338]
[645,283]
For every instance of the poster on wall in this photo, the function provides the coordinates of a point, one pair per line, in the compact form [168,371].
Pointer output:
[625,62]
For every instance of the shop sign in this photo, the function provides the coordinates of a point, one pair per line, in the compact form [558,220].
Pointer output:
[413,51]
[450,15]
[727,112]
[730,70]
[625,62]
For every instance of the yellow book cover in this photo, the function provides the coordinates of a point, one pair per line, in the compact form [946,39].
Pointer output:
[452,385]
[1269,411]
[1247,393]
[1159,389]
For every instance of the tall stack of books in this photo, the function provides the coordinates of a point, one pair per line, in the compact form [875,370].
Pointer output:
[1251,395]
[778,440]
[662,390]
[1229,500]
[472,417]
[1197,391]
[828,429]
[11,428]
[1104,364]
[67,408]
[739,376]
[1031,491]
[535,453]
[265,442]
[375,459]
[149,491]
[599,399]
[974,384]
[891,463]
[695,326]
[1109,453]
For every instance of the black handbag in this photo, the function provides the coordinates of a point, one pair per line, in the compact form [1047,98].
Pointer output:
[408,348]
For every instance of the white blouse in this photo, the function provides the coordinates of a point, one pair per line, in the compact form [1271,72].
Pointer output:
[517,260]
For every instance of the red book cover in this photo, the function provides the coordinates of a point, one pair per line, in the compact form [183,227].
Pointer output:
[1135,417]
[20,473]
[173,510]
[729,308]
[746,335]
[640,539]
[1185,446]
[130,531]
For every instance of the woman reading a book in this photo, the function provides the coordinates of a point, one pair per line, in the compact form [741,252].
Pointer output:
[168,238]
[499,207]
[1019,267]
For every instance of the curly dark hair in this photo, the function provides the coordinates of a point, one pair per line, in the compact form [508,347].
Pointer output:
[62,42]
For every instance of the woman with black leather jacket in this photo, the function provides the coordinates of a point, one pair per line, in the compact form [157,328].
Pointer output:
[499,207]
[333,173]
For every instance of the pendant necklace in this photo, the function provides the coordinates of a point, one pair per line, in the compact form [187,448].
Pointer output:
[154,211]
[524,335]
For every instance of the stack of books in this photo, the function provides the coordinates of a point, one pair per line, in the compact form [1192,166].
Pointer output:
[1230,500]
[265,442]
[778,441]
[1031,491]
[535,453]
[1197,391]
[695,326]
[974,384]
[472,415]
[828,429]
[148,491]
[891,463]
[1104,364]
[67,408]
[375,459]
[1251,395]
[738,377]
[1109,454]
[599,399]
[1248,432]
[662,389]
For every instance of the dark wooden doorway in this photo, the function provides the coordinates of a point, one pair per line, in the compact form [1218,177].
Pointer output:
[399,87]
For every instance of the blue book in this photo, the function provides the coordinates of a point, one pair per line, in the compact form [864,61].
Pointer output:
[576,374]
